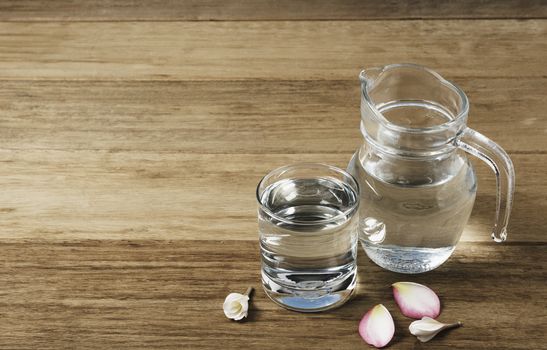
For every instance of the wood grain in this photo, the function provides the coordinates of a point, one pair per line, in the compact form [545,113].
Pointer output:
[66,195]
[268,50]
[133,134]
[197,10]
[168,294]
[239,116]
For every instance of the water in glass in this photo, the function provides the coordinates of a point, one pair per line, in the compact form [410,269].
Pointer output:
[308,239]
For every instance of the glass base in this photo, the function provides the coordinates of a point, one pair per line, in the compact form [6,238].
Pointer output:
[310,300]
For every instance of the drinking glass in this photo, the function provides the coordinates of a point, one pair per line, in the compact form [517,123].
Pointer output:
[308,236]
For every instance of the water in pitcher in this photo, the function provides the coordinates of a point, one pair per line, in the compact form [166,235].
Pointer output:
[309,244]
[412,210]
[413,225]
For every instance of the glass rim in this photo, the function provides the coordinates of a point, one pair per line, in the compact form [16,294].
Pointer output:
[458,119]
[282,169]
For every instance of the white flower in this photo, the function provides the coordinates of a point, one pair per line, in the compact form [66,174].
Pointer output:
[236,305]
[426,328]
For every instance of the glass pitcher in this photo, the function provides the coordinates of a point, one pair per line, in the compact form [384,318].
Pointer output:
[417,186]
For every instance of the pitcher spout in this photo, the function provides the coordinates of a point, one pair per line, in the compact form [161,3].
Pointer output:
[368,76]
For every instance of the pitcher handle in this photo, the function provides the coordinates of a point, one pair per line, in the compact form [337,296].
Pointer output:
[492,154]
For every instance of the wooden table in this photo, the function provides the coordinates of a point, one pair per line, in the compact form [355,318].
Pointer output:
[133,134]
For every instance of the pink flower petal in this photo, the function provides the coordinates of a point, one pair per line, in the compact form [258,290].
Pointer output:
[377,327]
[416,300]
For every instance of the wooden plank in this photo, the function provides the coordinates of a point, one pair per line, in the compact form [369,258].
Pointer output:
[67,195]
[198,10]
[168,294]
[268,50]
[238,116]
